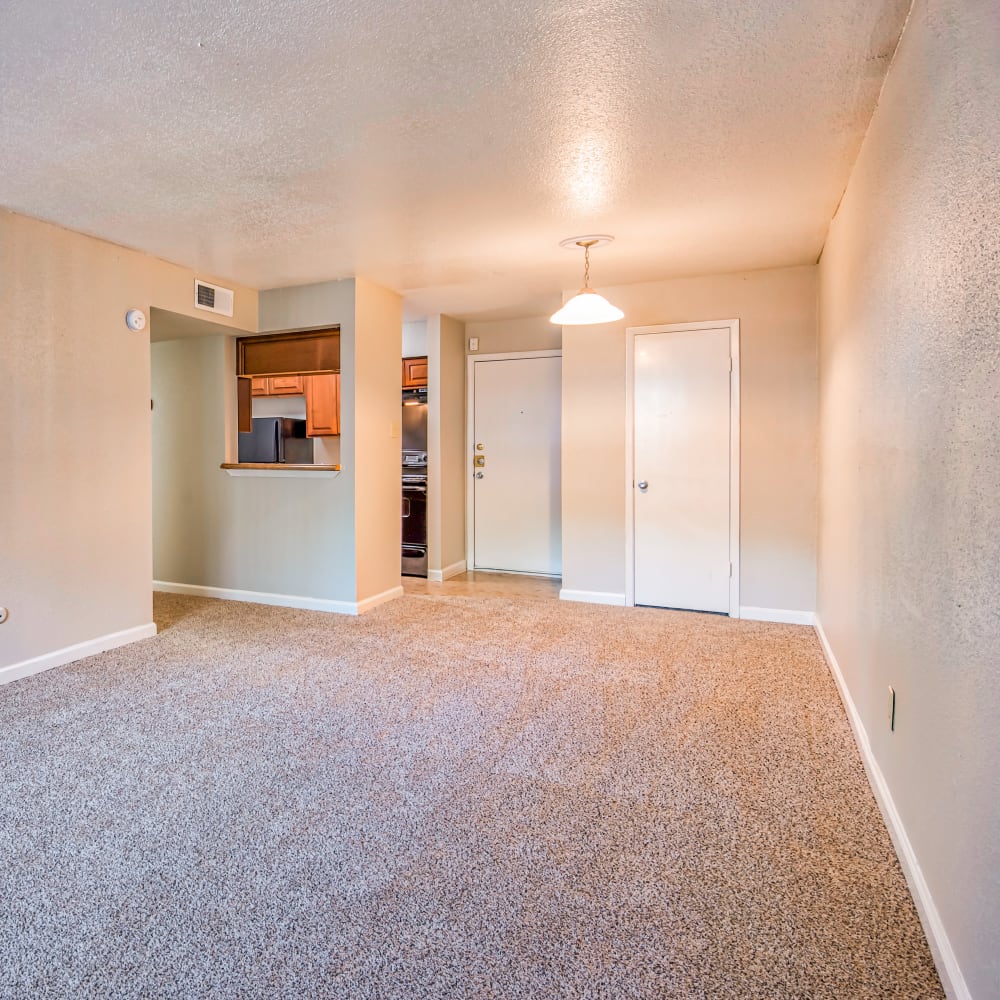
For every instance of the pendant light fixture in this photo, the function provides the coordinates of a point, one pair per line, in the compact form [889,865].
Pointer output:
[586,307]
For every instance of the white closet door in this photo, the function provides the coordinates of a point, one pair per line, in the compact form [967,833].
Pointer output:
[681,494]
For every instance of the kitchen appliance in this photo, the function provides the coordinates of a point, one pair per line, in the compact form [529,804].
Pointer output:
[415,423]
[414,510]
[414,500]
[276,440]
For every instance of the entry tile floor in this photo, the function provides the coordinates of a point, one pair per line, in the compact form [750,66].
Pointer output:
[485,584]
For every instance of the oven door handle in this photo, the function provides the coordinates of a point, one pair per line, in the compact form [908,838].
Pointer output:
[414,488]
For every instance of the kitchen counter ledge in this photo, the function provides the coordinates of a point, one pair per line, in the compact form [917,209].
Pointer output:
[280,470]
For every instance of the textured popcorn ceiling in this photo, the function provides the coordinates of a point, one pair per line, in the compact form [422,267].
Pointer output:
[442,148]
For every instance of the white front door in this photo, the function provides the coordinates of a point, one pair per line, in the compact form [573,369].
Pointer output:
[681,483]
[516,498]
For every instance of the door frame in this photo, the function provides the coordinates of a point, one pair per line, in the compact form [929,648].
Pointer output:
[733,325]
[470,439]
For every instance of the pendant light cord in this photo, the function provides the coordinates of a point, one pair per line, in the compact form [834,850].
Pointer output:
[586,244]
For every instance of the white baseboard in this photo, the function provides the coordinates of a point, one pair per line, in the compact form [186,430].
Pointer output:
[76,652]
[592,597]
[778,615]
[944,956]
[440,575]
[279,600]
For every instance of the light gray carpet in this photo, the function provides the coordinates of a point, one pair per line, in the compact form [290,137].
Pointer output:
[447,797]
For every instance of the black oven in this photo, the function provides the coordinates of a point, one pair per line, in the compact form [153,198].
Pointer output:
[414,482]
[414,511]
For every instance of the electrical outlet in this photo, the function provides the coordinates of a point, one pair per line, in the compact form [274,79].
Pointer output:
[3,615]
[892,710]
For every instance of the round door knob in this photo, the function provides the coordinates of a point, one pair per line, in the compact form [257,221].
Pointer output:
[478,475]
[643,485]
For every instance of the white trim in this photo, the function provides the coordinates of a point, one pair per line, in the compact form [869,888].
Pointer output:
[518,572]
[733,325]
[778,615]
[257,597]
[285,473]
[279,600]
[592,597]
[734,468]
[470,441]
[75,652]
[944,956]
[440,575]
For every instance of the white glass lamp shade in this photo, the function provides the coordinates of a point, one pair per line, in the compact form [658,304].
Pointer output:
[585,308]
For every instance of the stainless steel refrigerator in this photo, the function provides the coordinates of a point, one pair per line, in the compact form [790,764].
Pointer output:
[276,440]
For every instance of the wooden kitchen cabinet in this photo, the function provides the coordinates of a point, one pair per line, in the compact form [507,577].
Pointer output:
[277,385]
[285,385]
[414,373]
[322,394]
[322,405]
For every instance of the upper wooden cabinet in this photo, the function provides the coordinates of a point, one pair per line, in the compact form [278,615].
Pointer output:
[277,385]
[322,405]
[285,385]
[279,364]
[289,353]
[414,372]
[322,394]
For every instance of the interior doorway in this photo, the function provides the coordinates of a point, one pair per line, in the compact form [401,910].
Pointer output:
[514,448]
[682,477]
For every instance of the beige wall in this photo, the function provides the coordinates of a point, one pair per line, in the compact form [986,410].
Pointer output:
[75,453]
[446,443]
[378,436]
[364,502]
[330,571]
[502,336]
[304,307]
[778,386]
[909,544]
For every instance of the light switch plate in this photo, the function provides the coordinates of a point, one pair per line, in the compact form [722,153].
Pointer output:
[473,343]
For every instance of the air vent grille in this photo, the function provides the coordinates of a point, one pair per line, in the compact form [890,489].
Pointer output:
[213,298]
